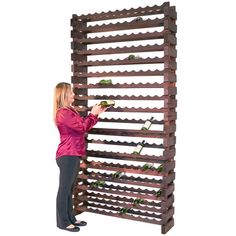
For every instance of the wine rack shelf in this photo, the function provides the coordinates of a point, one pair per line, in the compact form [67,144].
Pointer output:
[123,46]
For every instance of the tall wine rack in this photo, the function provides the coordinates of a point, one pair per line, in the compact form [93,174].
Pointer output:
[114,181]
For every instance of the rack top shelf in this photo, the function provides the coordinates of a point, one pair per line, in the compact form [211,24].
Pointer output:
[133,12]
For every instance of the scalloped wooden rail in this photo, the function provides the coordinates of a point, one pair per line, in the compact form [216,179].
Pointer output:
[124,143]
[125,37]
[133,12]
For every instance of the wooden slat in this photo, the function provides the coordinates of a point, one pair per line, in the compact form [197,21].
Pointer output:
[123,179]
[124,205]
[131,169]
[168,38]
[123,26]
[127,132]
[167,172]
[125,85]
[125,109]
[118,97]
[133,12]
[131,211]
[169,76]
[124,216]
[117,62]
[119,73]
[123,143]
[168,154]
[117,50]
[123,199]
[123,191]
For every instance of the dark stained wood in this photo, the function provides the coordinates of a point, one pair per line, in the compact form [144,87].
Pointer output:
[168,38]
[132,109]
[133,133]
[166,227]
[155,189]
[118,97]
[165,85]
[133,157]
[117,62]
[124,143]
[132,49]
[123,26]
[124,216]
[119,14]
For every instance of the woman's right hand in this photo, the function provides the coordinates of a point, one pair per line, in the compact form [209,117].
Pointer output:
[97,109]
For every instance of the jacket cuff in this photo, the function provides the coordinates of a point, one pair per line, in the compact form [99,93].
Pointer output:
[94,116]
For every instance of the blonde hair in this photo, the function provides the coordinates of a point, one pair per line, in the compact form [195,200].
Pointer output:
[61,92]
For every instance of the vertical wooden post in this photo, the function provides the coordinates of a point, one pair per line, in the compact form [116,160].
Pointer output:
[76,34]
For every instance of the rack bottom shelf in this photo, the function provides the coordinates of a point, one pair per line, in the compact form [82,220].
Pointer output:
[165,227]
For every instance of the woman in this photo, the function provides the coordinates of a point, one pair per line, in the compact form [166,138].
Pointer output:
[72,128]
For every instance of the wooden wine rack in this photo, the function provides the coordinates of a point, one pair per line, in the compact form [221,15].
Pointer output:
[116,196]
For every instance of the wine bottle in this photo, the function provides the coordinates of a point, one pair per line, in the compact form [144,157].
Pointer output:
[105,81]
[98,183]
[147,166]
[139,18]
[158,193]
[147,124]
[138,201]
[139,148]
[160,168]
[124,210]
[101,183]
[107,103]
[131,57]
[117,174]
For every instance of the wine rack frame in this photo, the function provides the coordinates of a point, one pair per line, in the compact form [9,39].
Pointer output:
[110,199]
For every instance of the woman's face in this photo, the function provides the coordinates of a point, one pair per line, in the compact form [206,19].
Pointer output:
[71,96]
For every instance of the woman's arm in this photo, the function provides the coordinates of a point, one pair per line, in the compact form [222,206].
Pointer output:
[75,121]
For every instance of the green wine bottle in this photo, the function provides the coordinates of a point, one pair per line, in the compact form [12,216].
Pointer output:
[139,148]
[158,193]
[108,103]
[147,124]
[101,183]
[98,183]
[159,168]
[138,201]
[124,210]
[131,57]
[117,174]
[105,81]
[147,166]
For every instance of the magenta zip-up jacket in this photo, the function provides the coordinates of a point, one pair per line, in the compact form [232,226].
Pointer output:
[72,128]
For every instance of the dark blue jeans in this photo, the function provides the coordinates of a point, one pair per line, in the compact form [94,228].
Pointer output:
[69,167]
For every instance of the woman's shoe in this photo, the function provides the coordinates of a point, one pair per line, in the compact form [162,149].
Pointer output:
[80,223]
[74,229]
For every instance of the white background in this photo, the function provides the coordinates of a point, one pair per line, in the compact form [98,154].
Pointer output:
[35,55]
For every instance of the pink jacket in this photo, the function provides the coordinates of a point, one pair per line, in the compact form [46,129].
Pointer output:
[72,128]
